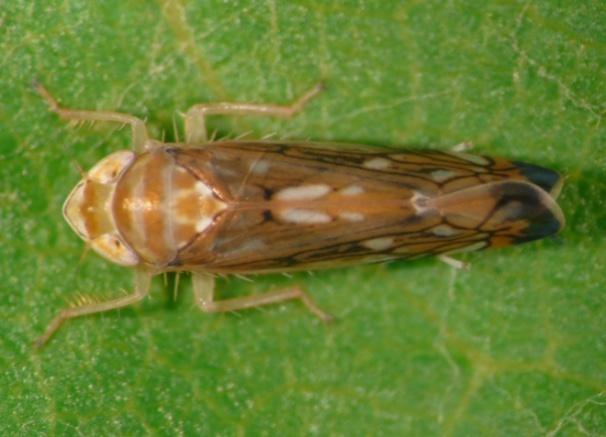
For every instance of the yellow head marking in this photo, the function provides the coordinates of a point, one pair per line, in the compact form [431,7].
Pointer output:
[88,209]
[111,167]
[114,249]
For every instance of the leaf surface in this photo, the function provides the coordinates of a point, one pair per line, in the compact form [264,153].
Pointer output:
[516,346]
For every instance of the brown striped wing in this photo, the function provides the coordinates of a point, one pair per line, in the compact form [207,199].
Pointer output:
[376,205]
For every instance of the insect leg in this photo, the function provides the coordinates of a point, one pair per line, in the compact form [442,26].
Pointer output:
[452,262]
[195,125]
[204,291]
[142,286]
[138,129]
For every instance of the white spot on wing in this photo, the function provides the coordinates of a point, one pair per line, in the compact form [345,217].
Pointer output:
[381,243]
[202,189]
[305,216]
[476,246]
[441,175]
[304,192]
[377,163]
[476,159]
[203,223]
[259,167]
[351,190]
[444,231]
[419,202]
[253,245]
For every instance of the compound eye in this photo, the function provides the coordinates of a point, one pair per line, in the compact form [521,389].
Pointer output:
[113,248]
[111,167]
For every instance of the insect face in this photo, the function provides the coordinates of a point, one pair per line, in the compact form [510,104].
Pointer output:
[88,209]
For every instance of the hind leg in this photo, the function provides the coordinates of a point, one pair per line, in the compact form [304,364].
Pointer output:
[204,291]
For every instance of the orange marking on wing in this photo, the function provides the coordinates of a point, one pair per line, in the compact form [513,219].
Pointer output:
[183,233]
[500,241]
[189,206]
[182,180]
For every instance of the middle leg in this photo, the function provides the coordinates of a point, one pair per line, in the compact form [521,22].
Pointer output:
[204,291]
[195,118]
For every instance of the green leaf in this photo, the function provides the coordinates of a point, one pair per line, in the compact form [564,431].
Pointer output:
[516,346]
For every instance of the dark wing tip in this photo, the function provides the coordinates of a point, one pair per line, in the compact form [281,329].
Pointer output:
[545,178]
[529,203]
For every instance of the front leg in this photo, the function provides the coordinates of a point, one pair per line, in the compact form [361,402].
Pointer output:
[142,286]
[204,292]
[140,136]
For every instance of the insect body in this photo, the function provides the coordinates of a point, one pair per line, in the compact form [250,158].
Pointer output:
[255,207]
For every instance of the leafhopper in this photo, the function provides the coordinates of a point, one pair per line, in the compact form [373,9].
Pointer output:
[243,207]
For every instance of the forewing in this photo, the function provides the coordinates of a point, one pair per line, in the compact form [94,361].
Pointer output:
[300,207]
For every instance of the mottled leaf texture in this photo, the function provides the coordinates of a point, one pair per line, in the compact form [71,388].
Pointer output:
[514,346]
